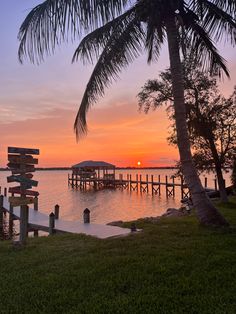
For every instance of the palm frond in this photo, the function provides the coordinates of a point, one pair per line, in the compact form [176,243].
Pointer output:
[55,21]
[92,45]
[218,22]
[202,47]
[121,49]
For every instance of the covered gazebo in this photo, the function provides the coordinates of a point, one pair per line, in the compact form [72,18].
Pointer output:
[94,169]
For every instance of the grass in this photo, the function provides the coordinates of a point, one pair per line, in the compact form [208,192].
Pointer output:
[173,266]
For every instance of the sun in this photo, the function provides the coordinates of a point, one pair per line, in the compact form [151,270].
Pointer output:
[139,163]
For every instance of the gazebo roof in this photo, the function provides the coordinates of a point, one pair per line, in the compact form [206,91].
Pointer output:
[94,164]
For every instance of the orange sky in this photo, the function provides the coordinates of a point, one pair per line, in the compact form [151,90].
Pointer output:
[117,134]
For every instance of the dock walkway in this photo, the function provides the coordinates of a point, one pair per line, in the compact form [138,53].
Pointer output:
[40,221]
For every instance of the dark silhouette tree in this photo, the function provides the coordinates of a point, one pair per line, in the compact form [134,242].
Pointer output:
[118,31]
[211,118]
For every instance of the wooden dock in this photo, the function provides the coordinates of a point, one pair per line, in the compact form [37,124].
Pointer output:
[144,185]
[40,221]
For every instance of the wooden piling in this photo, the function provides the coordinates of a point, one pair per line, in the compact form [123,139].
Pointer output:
[56,211]
[24,216]
[36,203]
[51,224]
[205,183]
[5,191]
[166,186]
[152,184]
[86,216]
[1,215]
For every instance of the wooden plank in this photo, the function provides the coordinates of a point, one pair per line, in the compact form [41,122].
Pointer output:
[23,180]
[26,175]
[21,159]
[23,170]
[17,201]
[12,165]
[18,190]
[20,150]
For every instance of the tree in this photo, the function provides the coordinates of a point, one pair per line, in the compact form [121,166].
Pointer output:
[211,118]
[118,31]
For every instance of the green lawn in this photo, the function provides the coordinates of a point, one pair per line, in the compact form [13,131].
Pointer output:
[173,266]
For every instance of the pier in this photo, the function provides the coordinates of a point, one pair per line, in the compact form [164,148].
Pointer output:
[35,221]
[144,184]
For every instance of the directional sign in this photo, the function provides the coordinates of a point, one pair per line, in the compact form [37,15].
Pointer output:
[19,150]
[23,170]
[17,201]
[22,180]
[12,165]
[26,175]
[24,159]
[19,190]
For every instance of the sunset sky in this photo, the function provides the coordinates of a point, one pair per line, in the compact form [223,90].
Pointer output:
[38,105]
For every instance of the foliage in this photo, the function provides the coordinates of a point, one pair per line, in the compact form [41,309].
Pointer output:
[211,118]
[118,31]
[173,266]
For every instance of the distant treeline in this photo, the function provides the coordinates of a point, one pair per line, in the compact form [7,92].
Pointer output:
[69,168]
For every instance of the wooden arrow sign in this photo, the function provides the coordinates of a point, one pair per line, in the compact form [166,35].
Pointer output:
[22,180]
[18,159]
[12,165]
[26,175]
[19,190]
[19,150]
[23,170]
[17,201]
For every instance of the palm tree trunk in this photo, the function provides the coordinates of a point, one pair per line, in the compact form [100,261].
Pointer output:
[207,213]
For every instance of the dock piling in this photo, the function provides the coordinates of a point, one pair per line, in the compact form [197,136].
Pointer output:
[51,223]
[56,211]
[86,216]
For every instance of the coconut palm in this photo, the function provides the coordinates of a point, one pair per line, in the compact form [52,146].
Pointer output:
[115,32]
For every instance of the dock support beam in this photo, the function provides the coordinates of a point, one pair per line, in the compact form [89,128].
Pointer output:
[86,216]
[51,224]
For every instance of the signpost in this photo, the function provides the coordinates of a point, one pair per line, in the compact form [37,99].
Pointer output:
[21,163]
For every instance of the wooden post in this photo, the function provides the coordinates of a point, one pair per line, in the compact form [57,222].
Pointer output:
[205,182]
[173,179]
[51,224]
[10,223]
[5,191]
[147,181]
[152,184]
[86,216]
[36,203]
[159,180]
[166,186]
[56,211]
[24,215]
[130,179]
[1,216]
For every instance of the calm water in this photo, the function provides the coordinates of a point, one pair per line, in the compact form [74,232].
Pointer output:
[105,205]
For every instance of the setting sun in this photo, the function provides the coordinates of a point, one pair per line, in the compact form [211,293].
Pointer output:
[139,163]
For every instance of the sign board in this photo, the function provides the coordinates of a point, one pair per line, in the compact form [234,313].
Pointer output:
[22,180]
[19,150]
[19,190]
[24,159]
[26,175]
[18,201]
[23,170]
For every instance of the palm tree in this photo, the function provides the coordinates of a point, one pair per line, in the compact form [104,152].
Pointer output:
[118,31]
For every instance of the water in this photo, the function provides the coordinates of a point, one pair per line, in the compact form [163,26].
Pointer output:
[105,205]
